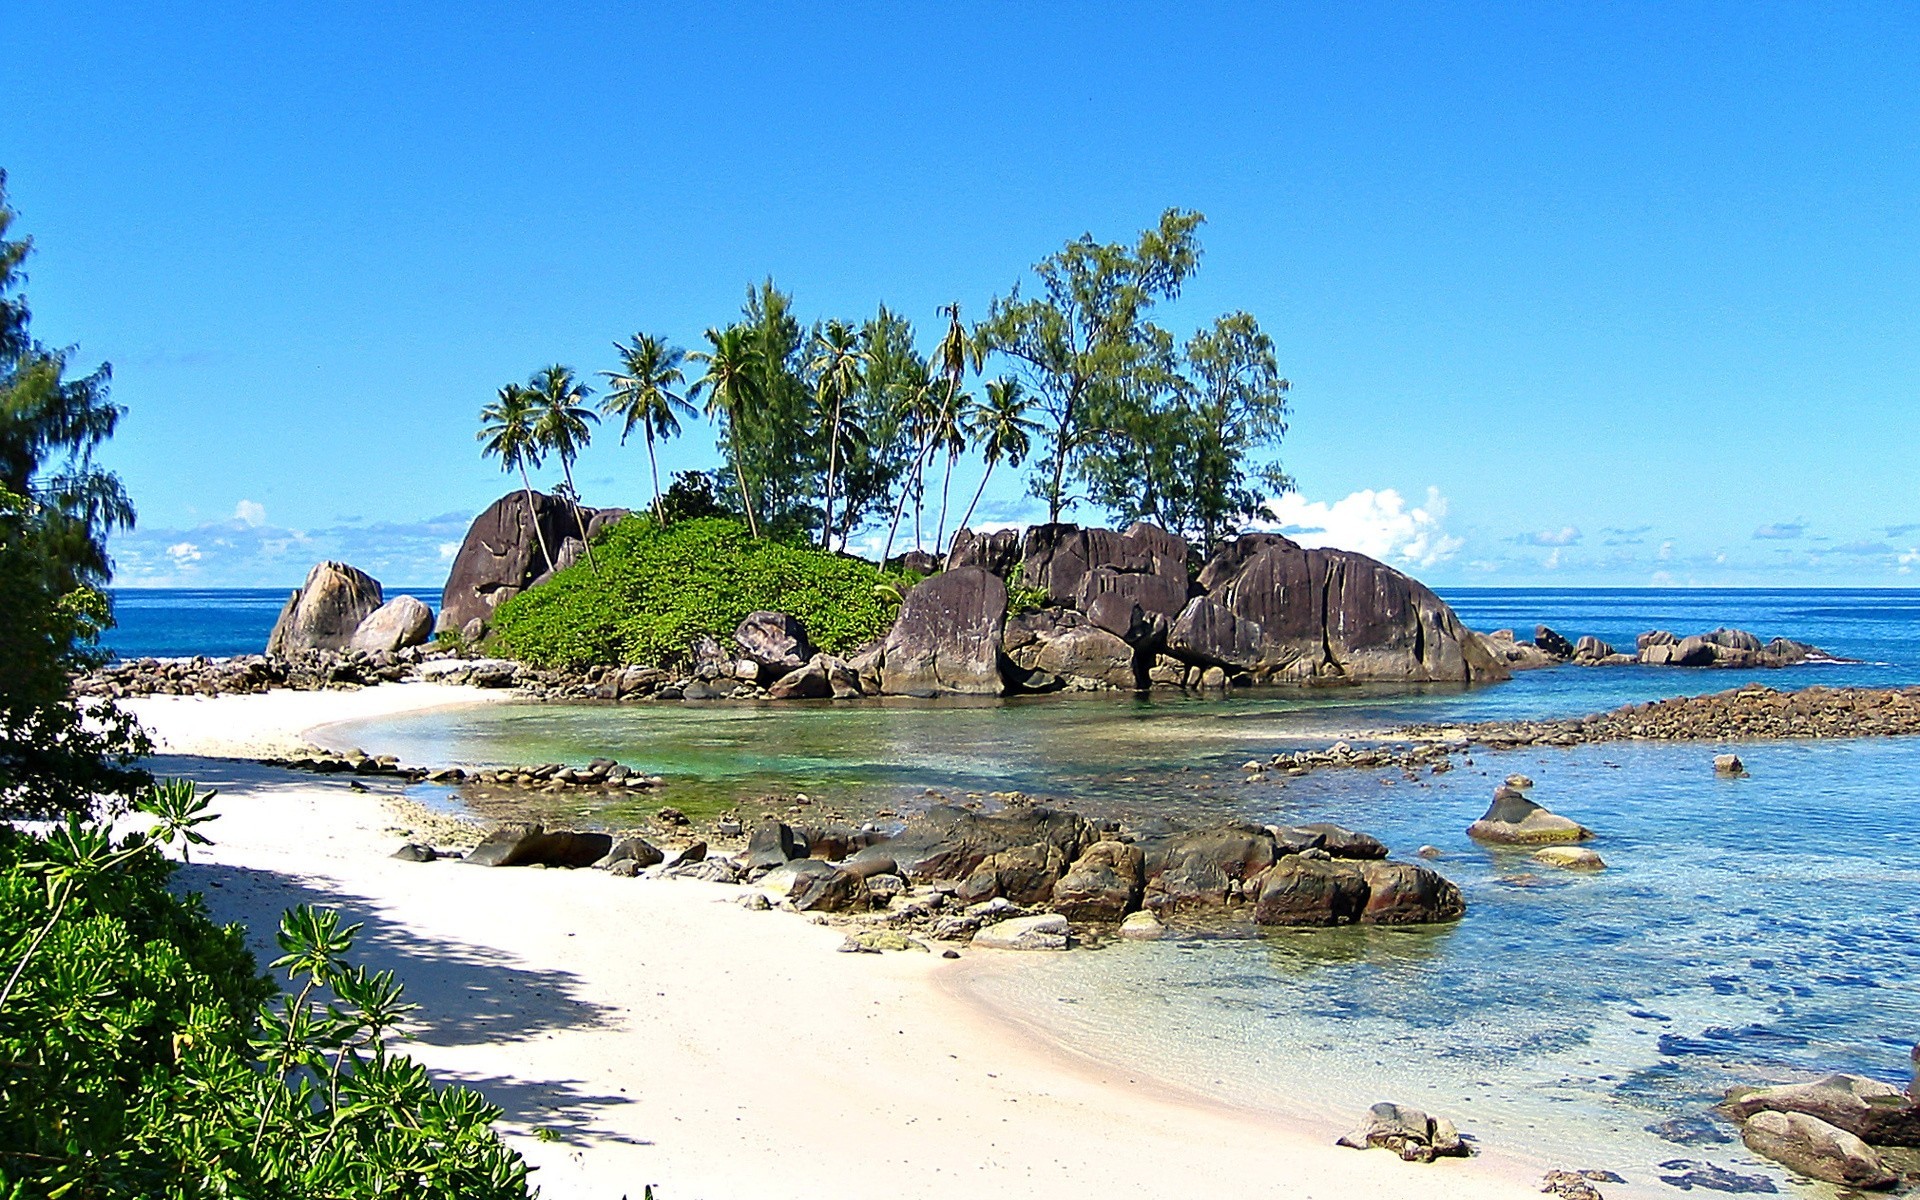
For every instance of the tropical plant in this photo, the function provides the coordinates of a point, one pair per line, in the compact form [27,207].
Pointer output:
[1000,427]
[1238,401]
[732,386]
[1085,343]
[561,425]
[837,366]
[641,393]
[957,349]
[506,433]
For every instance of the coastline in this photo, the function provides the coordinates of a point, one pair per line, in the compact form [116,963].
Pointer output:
[664,1035]
[277,723]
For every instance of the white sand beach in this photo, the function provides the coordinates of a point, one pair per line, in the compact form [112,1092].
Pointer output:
[663,1035]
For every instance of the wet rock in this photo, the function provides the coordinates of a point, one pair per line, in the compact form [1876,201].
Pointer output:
[1103,884]
[809,884]
[1515,820]
[1813,1148]
[1022,874]
[1408,894]
[1867,1108]
[1142,926]
[949,843]
[527,845]
[1408,1132]
[1205,867]
[1046,931]
[1299,890]
[1687,1174]
[1572,858]
[1728,764]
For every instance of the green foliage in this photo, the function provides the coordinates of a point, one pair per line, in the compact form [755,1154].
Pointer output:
[142,1052]
[693,495]
[659,590]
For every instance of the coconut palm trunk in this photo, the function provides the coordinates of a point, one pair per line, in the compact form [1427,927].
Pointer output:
[946,486]
[573,498]
[533,516]
[833,450]
[739,477]
[977,493]
[653,464]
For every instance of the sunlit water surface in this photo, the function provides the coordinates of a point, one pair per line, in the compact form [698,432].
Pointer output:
[1746,930]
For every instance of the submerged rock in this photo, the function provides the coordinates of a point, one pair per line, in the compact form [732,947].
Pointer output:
[1047,931]
[1812,1147]
[1867,1108]
[1572,858]
[1516,820]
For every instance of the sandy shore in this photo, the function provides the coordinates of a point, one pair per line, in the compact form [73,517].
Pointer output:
[664,1035]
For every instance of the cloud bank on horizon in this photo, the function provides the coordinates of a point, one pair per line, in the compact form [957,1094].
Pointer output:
[247,549]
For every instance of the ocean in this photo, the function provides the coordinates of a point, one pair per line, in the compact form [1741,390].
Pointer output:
[1746,930]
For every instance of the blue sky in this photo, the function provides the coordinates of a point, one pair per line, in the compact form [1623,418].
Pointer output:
[1617,294]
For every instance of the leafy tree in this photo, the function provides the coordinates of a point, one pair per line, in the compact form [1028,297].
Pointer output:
[837,366]
[50,427]
[884,406]
[57,508]
[779,435]
[694,495]
[732,384]
[999,425]
[1238,404]
[1086,340]
[561,425]
[642,393]
[506,433]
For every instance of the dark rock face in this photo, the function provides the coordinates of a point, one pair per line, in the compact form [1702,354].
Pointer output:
[951,843]
[1305,615]
[773,639]
[1515,820]
[1146,567]
[1205,867]
[947,637]
[501,558]
[995,553]
[637,851]
[1341,842]
[1022,874]
[1299,890]
[401,622]
[1552,642]
[1408,894]
[531,845]
[1818,1150]
[773,844]
[1069,649]
[810,682]
[810,884]
[1306,875]
[325,612]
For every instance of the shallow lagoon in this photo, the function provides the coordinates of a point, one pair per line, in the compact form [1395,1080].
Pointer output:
[1747,929]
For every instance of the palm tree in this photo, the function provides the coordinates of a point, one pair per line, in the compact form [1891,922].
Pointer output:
[641,393]
[1002,429]
[949,434]
[506,433]
[950,359]
[837,366]
[732,384]
[913,399]
[560,425]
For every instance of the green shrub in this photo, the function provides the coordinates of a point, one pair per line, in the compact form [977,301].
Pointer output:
[658,590]
[142,1052]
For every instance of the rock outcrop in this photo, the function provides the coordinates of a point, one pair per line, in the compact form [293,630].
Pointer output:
[1514,820]
[947,637]
[325,612]
[501,555]
[1408,1132]
[1867,1108]
[399,623]
[773,639]
[1817,1150]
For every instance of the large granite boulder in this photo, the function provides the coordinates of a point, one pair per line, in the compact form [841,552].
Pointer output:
[1514,820]
[950,843]
[1205,868]
[1025,875]
[1144,566]
[996,553]
[1326,614]
[947,637]
[1068,650]
[1867,1108]
[1817,1150]
[1299,890]
[325,612]
[501,556]
[401,622]
[1103,884]
[773,639]
[522,845]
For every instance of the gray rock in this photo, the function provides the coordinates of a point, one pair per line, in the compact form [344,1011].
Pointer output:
[526,845]
[401,622]
[808,682]
[1063,647]
[636,850]
[947,637]
[995,553]
[773,639]
[1867,1108]
[414,852]
[1408,1132]
[1046,931]
[810,884]
[1104,884]
[501,556]
[773,844]
[1515,820]
[1814,1148]
[324,613]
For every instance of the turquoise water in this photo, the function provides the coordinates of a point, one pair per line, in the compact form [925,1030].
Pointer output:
[1747,930]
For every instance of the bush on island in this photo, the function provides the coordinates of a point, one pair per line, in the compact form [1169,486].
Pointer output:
[654,591]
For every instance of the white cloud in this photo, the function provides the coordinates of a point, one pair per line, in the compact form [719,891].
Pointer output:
[1552,561]
[448,550]
[1666,552]
[1565,536]
[183,554]
[250,513]
[1376,523]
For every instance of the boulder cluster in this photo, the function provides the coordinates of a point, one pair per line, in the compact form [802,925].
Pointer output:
[601,774]
[1830,1129]
[951,872]
[1655,648]
[303,670]
[341,608]
[1749,713]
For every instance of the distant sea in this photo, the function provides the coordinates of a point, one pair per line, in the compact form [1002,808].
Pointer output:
[216,622]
